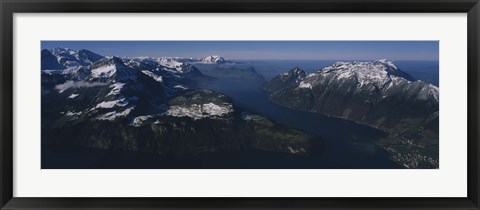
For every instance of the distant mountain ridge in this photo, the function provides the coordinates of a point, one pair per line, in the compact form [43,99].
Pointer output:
[214,59]
[213,66]
[70,58]
[62,58]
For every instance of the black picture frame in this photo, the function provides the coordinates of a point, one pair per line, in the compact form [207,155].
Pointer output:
[9,7]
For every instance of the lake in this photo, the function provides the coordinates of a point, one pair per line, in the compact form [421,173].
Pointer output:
[348,144]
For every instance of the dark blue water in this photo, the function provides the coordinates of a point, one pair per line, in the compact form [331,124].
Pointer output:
[427,71]
[422,70]
[348,145]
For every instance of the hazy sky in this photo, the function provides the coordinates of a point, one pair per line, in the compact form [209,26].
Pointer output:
[307,50]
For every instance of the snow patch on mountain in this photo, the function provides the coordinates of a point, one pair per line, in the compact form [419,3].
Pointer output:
[112,69]
[73,96]
[199,111]
[77,84]
[304,84]
[116,88]
[138,121]
[110,104]
[52,71]
[104,71]
[345,75]
[72,69]
[58,51]
[435,91]
[110,116]
[216,110]
[429,91]
[180,87]
[70,113]
[154,76]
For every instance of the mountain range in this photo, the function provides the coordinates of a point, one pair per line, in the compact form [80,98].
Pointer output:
[150,105]
[156,105]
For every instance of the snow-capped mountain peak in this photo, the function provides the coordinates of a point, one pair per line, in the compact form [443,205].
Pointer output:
[69,58]
[213,59]
[59,50]
[108,67]
[170,62]
[377,65]
[377,72]
[387,63]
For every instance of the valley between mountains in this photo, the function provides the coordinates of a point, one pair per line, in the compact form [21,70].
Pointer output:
[172,108]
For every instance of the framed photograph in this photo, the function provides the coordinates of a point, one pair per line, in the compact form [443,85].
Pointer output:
[239,105]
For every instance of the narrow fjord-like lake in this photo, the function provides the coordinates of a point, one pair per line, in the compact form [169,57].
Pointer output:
[348,144]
